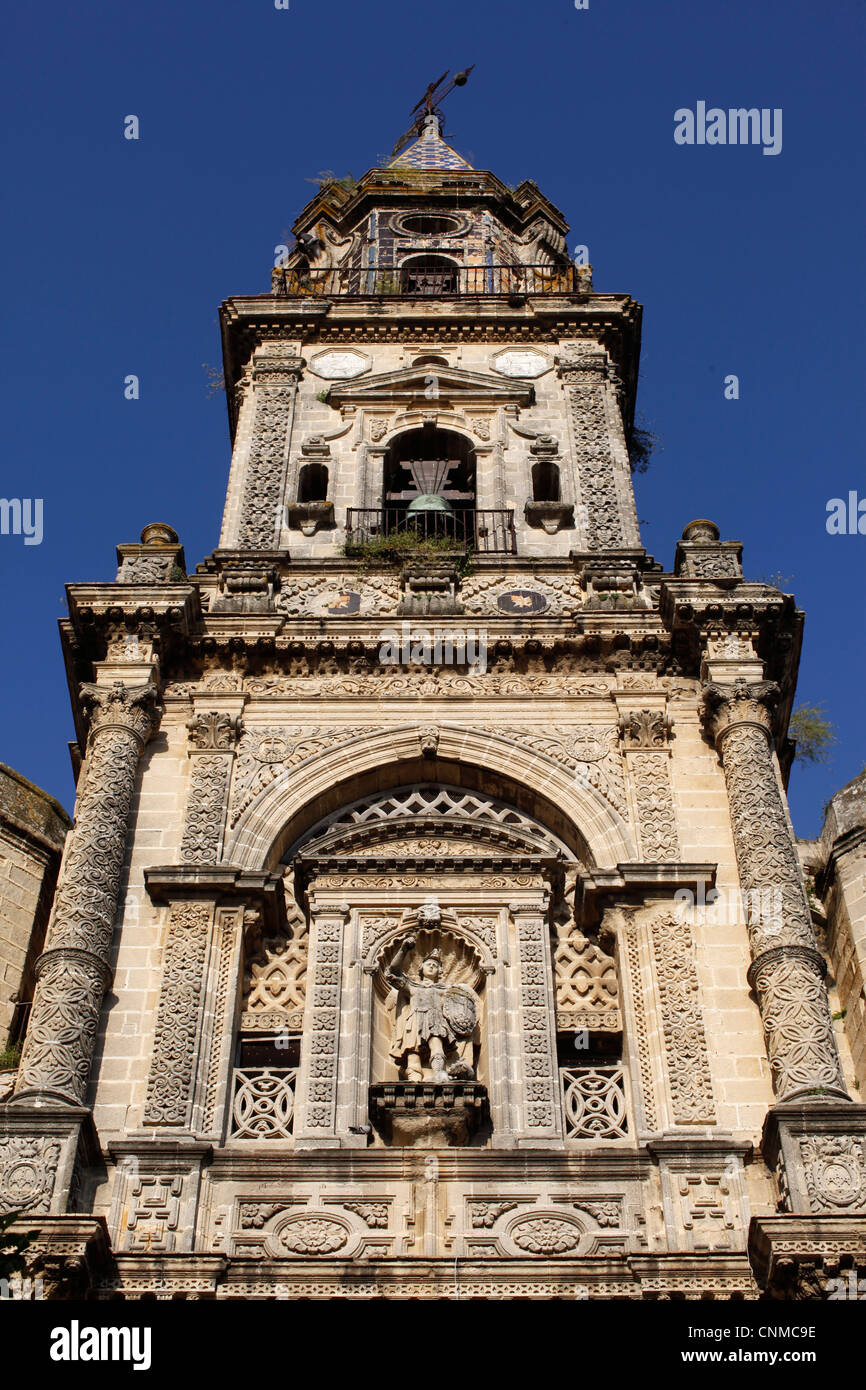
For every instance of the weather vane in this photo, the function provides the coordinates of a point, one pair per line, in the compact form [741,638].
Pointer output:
[430,105]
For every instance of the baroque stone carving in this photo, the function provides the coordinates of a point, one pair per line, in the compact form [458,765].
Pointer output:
[585,383]
[591,752]
[373,1214]
[434,1031]
[28,1167]
[322,1077]
[484,1215]
[311,1235]
[479,593]
[546,1235]
[686,1053]
[154,1213]
[538,1059]
[73,971]
[265,470]
[268,753]
[213,730]
[205,812]
[275,983]
[594,1103]
[835,1169]
[169,1088]
[603,1213]
[654,807]
[645,728]
[584,975]
[787,970]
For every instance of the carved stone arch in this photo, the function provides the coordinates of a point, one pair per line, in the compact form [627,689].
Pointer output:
[382,943]
[409,818]
[575,809]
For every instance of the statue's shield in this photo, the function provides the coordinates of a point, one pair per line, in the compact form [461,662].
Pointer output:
[459,1009]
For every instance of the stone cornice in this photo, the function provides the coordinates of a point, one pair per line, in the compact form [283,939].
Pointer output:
[632,883]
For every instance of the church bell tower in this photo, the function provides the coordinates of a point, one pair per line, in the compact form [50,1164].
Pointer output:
[432,902]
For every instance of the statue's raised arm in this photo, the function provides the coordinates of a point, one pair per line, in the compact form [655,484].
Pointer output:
[394,972]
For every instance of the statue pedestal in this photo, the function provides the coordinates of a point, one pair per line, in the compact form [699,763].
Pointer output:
[428,1114]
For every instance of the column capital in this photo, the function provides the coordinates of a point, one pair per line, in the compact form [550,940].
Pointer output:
[738,703]
[213,730]
[132,708]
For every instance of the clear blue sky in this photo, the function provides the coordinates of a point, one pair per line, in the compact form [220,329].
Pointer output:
[117,253]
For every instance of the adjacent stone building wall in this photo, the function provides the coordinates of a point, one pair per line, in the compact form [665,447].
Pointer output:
[838,863]
[33,828]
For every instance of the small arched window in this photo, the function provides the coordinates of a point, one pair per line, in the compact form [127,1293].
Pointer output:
[429,275]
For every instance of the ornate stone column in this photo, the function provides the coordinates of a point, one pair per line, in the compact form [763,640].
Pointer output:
[787,971]
[73,972]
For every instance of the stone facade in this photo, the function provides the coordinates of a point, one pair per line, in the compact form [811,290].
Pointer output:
[431,838]
[33,828]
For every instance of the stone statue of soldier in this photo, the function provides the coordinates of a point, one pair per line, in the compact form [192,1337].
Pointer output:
[434,1020]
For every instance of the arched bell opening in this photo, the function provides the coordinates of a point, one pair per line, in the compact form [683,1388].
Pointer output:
[429,484]
[429,275]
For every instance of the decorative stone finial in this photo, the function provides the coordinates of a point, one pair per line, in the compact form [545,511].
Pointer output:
[701,530]
[158,533]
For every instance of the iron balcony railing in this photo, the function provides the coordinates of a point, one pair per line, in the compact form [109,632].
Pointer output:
[413,281]
[489,531]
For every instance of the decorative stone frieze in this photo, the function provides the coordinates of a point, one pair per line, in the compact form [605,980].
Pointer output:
[787,970]
[74,970]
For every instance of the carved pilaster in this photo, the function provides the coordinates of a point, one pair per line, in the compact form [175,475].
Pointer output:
[645,735]
[172,1070]
[213,735]
[595,422]
[317,1088]
[787,969]
[542,1113]
[73,972]
[275,382]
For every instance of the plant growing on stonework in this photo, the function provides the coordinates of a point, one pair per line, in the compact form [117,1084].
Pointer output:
[323,395]
[641,443]
[398,547]
[10,1056]
[216,381]
[813,733]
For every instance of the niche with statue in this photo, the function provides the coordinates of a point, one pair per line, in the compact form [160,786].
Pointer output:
[428,1030]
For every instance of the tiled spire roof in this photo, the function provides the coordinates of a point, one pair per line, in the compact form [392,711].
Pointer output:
[430,151]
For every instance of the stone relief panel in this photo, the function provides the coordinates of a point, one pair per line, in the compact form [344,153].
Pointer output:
[686,1056]
[265,754]
[265,471]
[172,1070]
[28,1168]
[585,381]
[835,1172]
[276,978]
[587,990]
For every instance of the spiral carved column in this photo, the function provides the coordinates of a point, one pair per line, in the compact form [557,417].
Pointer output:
[787,971]
[73,971]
